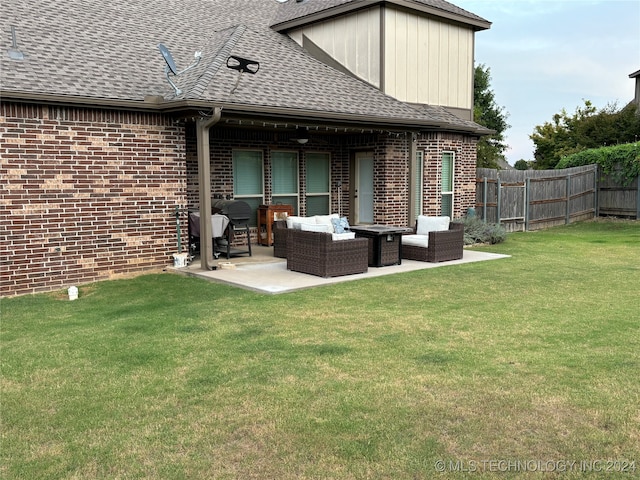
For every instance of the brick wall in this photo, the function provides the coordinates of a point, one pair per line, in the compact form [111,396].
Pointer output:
[87,194]
[464,149]
[91,194]
[391,179]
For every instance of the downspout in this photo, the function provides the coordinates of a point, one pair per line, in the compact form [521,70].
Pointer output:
[413,184]
[204,180]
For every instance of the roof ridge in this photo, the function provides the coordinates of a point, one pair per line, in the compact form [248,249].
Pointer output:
[292,14]
[218,61]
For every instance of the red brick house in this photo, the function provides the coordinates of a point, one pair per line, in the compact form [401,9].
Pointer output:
[98,148]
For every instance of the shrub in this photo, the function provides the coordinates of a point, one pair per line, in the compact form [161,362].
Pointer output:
[620,161]
[477,231]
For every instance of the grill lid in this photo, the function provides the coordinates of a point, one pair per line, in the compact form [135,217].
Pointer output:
[239,212]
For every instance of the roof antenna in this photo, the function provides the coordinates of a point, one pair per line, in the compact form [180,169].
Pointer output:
[242,65]
[171,67]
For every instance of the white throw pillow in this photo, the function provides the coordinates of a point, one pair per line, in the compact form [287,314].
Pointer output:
[326,220]
[432,224]
[416,240]
[294,222]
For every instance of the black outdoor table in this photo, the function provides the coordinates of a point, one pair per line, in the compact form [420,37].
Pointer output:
[385,243]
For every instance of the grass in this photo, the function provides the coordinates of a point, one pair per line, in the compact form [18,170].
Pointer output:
[531,358]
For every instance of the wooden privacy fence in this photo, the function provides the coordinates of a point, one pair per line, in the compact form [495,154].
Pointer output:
[617,199]
[535,199]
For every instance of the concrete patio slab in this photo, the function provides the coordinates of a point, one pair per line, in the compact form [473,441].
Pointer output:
[267,274]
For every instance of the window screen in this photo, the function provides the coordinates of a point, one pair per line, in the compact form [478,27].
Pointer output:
[248,179]
[447,184]
[418,175]
[284,178]
[318,183]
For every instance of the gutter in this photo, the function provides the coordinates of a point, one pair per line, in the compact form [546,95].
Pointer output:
[150,104]
[160,105]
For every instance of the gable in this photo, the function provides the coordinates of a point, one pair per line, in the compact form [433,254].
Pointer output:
[412,57]
[353,40]
[427,61]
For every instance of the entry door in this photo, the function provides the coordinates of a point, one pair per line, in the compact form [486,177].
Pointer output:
[363,192]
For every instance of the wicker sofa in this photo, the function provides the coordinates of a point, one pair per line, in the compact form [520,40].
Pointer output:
[317,253]
[435,239]
[280,228]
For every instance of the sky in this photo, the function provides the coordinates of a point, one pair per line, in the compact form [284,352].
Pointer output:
[546,55]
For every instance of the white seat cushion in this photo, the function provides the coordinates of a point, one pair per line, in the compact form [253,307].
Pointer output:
[343,236]
[431,224]
[314,227]
[416,240]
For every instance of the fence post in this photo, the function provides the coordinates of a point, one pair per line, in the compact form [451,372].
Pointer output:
[596,188]
[567,219]
[527,186]
[499,203]
[484,200]
[638,197]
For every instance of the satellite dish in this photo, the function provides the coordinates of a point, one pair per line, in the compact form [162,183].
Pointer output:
[172,68]
[168,58]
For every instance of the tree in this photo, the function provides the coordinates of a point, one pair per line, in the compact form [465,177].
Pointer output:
[487,113]
[586,128]
[521,164]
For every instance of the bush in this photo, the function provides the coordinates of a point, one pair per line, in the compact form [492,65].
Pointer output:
[477,231]
[620,161]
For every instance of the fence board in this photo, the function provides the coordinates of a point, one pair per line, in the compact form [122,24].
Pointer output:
[618,200]
[534,199]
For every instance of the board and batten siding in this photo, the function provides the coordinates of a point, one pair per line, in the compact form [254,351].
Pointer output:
[427,61]
[352,40]
[413,58]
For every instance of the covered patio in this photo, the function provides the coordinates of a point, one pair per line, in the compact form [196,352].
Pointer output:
[264,273]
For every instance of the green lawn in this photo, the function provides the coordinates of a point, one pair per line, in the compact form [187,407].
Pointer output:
[530,362]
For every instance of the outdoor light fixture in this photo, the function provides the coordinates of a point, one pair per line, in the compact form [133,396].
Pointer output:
[302,135]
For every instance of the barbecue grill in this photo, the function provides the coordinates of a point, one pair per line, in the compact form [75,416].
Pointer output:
[238,212]
[239,215]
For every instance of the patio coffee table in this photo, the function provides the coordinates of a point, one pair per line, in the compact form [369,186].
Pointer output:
[385,243]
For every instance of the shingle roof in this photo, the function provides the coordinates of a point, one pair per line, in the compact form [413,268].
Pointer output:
[293,10]
[108,50]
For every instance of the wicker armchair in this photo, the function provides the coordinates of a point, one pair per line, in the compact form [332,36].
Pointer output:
[280,239]
[317,253]
[443,246]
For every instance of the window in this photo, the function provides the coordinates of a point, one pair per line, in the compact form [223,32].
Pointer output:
[447,184]
[318,185]
[284,178]
[418,176]
[248,179]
